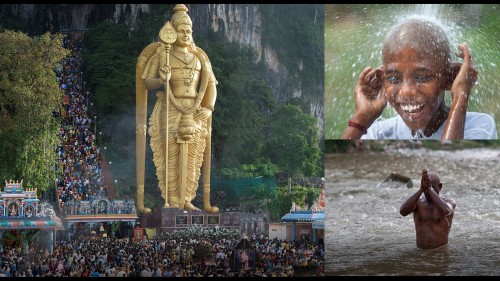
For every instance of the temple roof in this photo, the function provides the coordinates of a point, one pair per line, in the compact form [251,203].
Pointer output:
[303,216]
[30,223]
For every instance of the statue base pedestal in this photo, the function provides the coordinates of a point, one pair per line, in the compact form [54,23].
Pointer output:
[170,219]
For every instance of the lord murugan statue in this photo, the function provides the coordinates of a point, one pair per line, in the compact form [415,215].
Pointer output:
[181,122]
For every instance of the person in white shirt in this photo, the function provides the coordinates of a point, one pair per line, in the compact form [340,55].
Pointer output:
[415,74]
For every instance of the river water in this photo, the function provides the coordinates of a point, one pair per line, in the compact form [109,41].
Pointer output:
[366,235]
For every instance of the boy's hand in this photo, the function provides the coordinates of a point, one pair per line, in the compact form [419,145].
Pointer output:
[467,73]
[368,96]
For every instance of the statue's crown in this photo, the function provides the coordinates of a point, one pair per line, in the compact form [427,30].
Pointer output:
[180,16]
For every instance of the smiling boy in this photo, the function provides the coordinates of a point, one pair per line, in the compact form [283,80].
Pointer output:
[413,78]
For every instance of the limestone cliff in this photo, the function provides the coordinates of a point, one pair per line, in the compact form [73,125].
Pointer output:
[240,23]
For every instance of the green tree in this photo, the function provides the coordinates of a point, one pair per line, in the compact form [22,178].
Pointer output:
[243,103]
[110,67]
[293,142]
[245,100]
[302,196]
[29,93]
[312,196]
[265,170]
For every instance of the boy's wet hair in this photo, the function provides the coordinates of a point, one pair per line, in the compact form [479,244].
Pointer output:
[421,34]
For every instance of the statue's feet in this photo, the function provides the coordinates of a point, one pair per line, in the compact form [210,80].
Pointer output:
[145,211]
[211,209]
[189,206]
[171,205]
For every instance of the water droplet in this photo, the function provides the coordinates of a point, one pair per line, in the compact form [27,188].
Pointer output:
[362,32]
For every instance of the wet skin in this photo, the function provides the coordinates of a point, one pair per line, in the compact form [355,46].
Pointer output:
[414,87]
[432,214]
[414,81]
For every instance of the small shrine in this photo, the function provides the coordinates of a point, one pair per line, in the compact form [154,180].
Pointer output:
[16,202]
[305,222]
[88,217]
[21,214]
[243,256]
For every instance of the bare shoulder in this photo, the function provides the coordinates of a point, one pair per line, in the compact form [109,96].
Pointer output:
[450,201]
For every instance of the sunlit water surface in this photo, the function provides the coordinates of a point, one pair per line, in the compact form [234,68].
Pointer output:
[366,235]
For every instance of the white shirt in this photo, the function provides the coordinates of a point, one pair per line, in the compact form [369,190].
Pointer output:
[477,126]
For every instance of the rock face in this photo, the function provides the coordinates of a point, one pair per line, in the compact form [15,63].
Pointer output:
[240,23]
[39,18]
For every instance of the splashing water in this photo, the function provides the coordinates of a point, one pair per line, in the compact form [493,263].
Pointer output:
[354,37]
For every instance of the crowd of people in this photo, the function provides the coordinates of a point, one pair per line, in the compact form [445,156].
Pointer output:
[79,157]
[161,256]
[164,256]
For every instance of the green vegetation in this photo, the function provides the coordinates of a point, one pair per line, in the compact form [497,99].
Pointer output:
[253,134]
[265,170]
[303,197]
[243,104]
[29,93]
[293,142]
[249,126]
[110,68]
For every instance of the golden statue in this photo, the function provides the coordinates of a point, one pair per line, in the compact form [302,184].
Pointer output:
[181,122]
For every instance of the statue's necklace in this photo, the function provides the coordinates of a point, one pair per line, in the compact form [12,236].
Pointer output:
[185,57]
[187,71]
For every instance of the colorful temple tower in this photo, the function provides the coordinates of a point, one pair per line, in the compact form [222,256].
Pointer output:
[16,202]
[22,216]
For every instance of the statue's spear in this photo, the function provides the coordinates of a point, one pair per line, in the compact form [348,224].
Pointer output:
[168,36]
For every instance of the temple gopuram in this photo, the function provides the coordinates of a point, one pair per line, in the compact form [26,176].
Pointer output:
[101,214]
[23,218]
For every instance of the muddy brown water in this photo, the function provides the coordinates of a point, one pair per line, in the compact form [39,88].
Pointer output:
[366,235]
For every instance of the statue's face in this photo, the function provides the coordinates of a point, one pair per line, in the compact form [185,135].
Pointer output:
[184,35]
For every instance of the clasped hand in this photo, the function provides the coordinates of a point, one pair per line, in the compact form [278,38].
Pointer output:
[425,182]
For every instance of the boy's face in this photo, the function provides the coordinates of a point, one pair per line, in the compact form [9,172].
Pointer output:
[415,83]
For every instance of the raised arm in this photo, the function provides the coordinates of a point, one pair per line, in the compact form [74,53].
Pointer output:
[370,102]
[445,208]
[410,204]
[460,92]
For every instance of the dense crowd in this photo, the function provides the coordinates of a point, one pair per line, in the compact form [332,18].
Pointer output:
[78,155]
[163,256]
